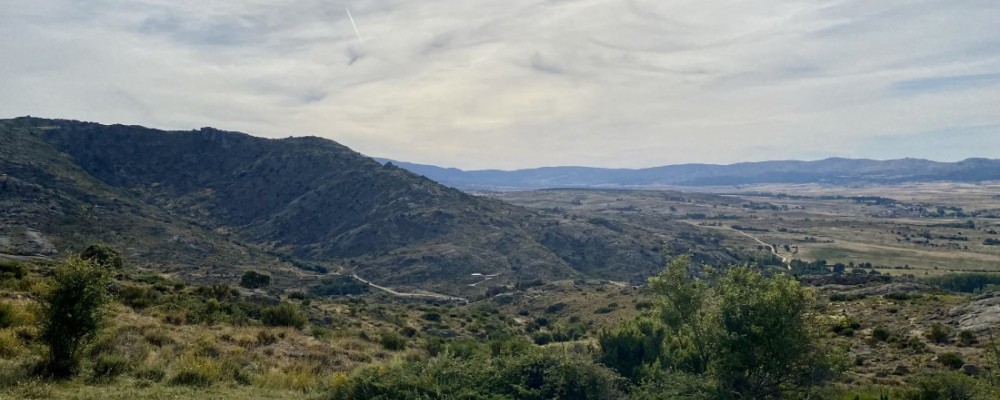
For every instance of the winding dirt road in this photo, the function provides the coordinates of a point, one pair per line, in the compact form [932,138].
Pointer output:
[784,260]
[401,294]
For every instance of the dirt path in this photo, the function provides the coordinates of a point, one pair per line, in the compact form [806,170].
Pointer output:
[784,260]
[401,294]
[485,278]
[17,258]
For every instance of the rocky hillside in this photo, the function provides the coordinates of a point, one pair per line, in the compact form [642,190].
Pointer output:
[213,202]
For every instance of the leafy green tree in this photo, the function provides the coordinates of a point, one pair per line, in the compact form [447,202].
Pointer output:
[73,312]
[104,255]
[746,336]
[764,343]
[683,308]
[254,280]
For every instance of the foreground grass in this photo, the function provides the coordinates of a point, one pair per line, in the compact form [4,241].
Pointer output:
[137,389]
[166,340]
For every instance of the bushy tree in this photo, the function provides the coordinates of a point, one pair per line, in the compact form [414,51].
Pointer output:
[632,345]
[763,340]
[73,312]
[749,335]
[684,307]
[104,255]
[254,280]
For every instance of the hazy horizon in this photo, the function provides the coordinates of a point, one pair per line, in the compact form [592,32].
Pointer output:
[687,163]
[527,83]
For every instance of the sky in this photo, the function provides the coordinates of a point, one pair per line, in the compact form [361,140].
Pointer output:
[525,83]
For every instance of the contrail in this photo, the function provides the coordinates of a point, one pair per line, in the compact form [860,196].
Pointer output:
[356,32]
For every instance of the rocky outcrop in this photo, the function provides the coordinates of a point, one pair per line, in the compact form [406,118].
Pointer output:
[980,315]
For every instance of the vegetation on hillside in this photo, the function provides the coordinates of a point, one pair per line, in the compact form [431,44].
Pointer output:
[696,333]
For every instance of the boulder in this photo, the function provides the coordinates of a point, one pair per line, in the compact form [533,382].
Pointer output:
[970,369]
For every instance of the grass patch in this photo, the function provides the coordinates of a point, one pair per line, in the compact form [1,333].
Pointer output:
[197,371]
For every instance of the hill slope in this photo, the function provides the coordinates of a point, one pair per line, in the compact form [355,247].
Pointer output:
[832,170]
[209,198]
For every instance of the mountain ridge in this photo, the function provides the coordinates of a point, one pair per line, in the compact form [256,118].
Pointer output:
[834,170]
[210,204]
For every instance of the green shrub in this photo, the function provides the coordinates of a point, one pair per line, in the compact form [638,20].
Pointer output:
[409,331]
[284,314]
[392,341]
[644,305]
[254,280]
[108,366]
[671,385]
[555,308]
[630,347]
[138,297]
[900,296]
[553,375]
[432,316]
[534,375]
[846,327]
[196,371]
[10,316]
[939,333]
[12,270]
[951,360]
[154,374]
[103,255]
[73,312]
[266,338]
[945,386]
[967,338]
[192,378]
[10,345]
[339,285]
[881,334]
[913,344]
[320,332]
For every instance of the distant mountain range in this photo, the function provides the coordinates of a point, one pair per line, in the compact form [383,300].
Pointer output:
[831,171]
[209,204]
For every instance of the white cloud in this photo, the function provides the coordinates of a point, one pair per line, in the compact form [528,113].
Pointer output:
[524,82]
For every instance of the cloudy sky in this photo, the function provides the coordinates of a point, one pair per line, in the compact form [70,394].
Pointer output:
[525,83]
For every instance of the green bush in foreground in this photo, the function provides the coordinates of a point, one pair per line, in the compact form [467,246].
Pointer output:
[754,336]
[73,312]
[533,375]
[284,314]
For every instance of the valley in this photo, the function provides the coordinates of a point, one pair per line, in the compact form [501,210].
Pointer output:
[916,229]
[275,268]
